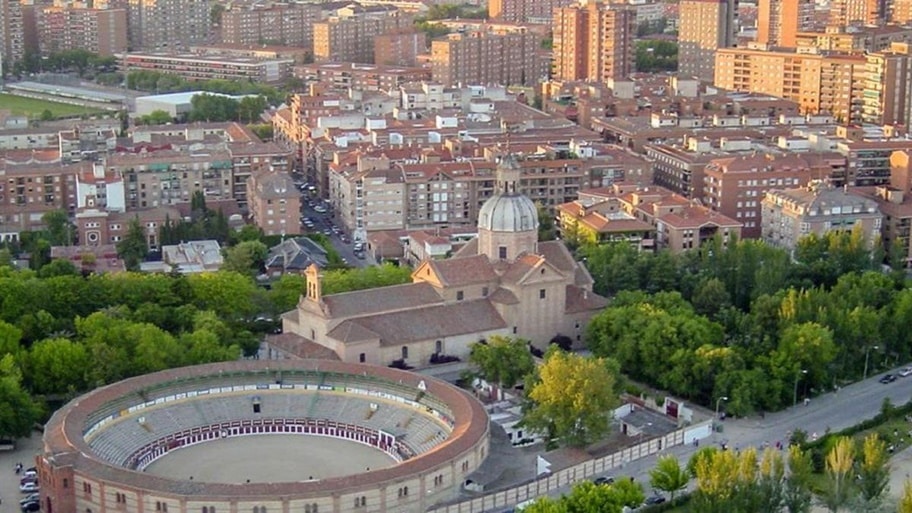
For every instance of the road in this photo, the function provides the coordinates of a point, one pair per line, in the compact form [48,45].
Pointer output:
[834,411]
[323,222]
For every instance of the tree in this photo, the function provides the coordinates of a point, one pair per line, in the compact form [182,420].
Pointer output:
[246,257]
[156,117]
[905,501]
[46,115]
[250,108]
[134,247]
[668,476]
[546,228]
[502,360]
[57,366]
[726,482]
[571,398]
[873,472]
[18,412]
[797,494]
[839,464]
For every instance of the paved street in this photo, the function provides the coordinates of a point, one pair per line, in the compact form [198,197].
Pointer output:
[836,411]
[324,222]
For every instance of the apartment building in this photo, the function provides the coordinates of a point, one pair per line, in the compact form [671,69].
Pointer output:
[857,12]
[487,57]
[12,33]
[364,77]
[780,21]
[29,190]
[203,67]
[856,40]
[371,193]
[678,224]
[349,37]
[594,41]
[869,161]
[525,11]
[274,203]
[832,84]
[735,186]
[901,12]
[704,26]
[98,227]
[400,47]
[100,31]
[274,24]
[157,24]
[888,92]
[818,208]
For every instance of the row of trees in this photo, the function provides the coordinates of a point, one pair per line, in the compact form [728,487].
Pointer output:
[62,333]
[856,479]
[77,60]
[656,56]
[747,322]
[158,82]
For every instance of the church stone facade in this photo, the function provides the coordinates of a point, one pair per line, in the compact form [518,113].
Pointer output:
[504,282]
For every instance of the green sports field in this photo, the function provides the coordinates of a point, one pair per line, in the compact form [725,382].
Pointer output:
[33,107]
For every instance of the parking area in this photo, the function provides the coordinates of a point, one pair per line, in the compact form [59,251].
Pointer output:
[25,452]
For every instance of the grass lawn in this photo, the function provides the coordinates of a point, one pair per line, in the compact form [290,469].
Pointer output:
[33,107]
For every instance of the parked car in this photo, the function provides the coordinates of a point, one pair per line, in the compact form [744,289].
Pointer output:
[905,372]
[30,507]
[29,487]
[320,209]
[30,497]
[655,499]
[604,480]
[888,378]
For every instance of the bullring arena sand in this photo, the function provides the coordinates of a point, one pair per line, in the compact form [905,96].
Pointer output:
[270,459]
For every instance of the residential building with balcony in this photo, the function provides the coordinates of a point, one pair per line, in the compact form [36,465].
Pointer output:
[487,57]
[283,24]
[818,208]
[201,67]
[274,203]
[100,31]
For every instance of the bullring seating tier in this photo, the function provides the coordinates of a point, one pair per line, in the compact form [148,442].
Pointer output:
[118,439]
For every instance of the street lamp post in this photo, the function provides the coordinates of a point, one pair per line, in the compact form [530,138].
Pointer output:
[797,379]
[719,400]
[867,354]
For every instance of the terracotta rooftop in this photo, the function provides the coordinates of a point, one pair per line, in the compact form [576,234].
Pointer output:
[380,300]
[454,272]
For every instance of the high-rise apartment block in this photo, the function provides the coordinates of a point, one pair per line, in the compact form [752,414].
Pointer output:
[704,26]
[157,24]
[349,37]
[888,91]
[831,84]
[400,47]
[594,41]
[525,11]
[12,46]
[101,31]
[779,21]
[277,24]
[486,57]
[857,12]
[901,12]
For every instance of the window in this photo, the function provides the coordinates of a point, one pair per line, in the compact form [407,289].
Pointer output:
[465,466]
[438,346]
[120,498]
[259,509]
[362,357]
[403,492]
[310,508]
[360,502]
[161,506]
[459,295]
[541,293]
[484,292]
[208,509]
[87,488]
[66,483]
[502,252]
[405,352]
[514,330]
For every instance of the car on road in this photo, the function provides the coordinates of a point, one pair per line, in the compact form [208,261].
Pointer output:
[905,372]
[29,488]
[30,507]
[655,499]
[320,209]
[30,498]
[888,378]
[604,480]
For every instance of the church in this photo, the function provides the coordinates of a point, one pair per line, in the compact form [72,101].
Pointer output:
[504,282]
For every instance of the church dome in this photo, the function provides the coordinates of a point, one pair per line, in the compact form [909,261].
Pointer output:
[506,212]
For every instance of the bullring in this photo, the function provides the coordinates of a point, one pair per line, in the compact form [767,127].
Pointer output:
[98,446]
